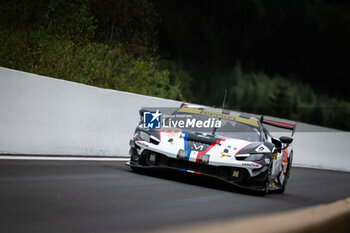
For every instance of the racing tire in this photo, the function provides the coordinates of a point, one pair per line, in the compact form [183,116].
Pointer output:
[265,190]
[266,183]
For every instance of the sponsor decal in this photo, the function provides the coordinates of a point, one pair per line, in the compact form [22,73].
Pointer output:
[220,115]
[260,149]
[225,153]
[194,153]
[197,147]
[267,161]
[171,133]
[152,120]
[235,173]
[275,155]
[171,140]
[250,164]
[284,161]
[285,156]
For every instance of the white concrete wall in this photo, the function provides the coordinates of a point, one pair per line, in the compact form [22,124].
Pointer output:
[330,150]
[40,115]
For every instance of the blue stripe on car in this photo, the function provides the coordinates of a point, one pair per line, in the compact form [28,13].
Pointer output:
[185,146]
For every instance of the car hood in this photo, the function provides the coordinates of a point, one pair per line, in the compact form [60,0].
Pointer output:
[199,143]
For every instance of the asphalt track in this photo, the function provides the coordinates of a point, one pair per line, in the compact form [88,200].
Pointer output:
[80,196]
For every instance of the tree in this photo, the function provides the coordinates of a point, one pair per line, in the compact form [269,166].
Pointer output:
[279,102]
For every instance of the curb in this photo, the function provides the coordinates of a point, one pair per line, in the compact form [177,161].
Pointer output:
[333,217]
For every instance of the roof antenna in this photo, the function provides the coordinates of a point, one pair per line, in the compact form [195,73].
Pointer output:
[223,102]
[222,108]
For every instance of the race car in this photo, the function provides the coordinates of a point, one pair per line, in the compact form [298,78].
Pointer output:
[230,146]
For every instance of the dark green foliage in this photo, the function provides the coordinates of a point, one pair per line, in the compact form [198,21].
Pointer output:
[69,40]
[279,101]
[307,38]
[130,22]
[281,97]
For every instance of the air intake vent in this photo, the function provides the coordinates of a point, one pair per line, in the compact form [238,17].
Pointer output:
[241,156]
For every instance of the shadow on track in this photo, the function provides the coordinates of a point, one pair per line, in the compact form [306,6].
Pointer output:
[193,179]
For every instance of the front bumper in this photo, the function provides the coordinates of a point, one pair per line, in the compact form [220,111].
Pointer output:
[234,175]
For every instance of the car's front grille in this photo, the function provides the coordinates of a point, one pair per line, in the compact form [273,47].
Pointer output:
[225,172]
[240,158]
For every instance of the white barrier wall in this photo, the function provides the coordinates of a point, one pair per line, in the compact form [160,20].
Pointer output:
[328,150]
[40,115]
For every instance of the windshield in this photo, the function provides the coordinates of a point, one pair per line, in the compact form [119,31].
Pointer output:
[238,130]
[209,124]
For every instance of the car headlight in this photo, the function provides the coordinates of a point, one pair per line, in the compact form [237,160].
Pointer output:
[144,136]
[182,154]
[255,157]
[204,158]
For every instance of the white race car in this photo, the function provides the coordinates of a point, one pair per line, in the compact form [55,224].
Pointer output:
[236,148]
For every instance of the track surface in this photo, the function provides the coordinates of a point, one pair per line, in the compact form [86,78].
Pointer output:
[66,196]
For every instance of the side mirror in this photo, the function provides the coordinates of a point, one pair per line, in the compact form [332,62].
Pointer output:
[286,140]
[141,111]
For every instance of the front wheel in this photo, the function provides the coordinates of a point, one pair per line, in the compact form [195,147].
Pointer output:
[265,183]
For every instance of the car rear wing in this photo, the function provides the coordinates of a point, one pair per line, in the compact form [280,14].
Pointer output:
[278,124]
